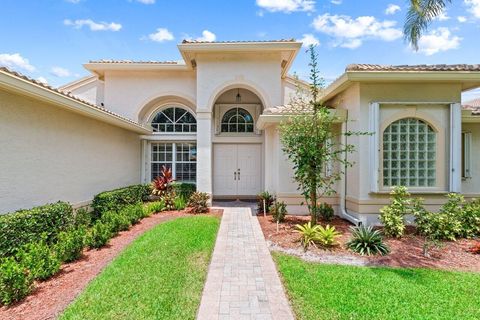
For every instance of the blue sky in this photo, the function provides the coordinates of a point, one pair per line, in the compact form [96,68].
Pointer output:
[50,39]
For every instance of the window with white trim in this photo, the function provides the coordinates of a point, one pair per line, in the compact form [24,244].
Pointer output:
[409,154]
[237,120]
[174,119]
[466,155]
[181,157]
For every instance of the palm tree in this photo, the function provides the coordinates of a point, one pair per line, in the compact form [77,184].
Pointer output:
[419,16]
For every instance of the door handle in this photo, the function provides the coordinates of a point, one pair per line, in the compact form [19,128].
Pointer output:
[238,174]
[235,175]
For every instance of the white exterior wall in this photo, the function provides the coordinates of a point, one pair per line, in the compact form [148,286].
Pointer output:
[471,186]
[91,91]
[49,154]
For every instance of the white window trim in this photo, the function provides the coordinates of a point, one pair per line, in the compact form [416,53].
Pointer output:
[374,145]
[221,109]
[455,147]
[467,155]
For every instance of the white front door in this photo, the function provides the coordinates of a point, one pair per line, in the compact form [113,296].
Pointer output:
[237,170]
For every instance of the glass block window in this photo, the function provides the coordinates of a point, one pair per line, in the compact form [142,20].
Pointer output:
[174,119]
[409,153]
[180,157]
[237,120]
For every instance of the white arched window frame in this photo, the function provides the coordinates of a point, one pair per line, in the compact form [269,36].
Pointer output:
[221,110]
[173,119]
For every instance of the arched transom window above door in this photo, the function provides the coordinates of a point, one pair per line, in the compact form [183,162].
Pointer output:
[237,120]
[174,119]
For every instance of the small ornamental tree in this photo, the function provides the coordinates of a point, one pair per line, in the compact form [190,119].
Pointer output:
[308,140]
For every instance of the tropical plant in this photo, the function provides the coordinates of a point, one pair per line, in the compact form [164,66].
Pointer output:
[308,234]
[279,211]
[308,142]
[180,203]
[392,216]
[16,282]
[264,198]
[39,259]
[327,236]
[325,212]
[419,16]
[70,244]
[163,183]
[367,241]
[198,203]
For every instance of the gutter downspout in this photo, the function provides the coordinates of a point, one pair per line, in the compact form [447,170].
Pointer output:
[343,182]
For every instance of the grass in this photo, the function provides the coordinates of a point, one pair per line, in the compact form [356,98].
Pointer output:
[159,276]
[320,291]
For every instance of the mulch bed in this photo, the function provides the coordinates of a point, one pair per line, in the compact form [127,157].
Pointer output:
[405,252]
[51,297]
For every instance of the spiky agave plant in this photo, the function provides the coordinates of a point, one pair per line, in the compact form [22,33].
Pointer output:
[308,234]
[367,241]
[327,236]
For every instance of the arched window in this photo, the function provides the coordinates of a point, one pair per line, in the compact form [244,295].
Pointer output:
[237,120]
[409,154]
[174,119]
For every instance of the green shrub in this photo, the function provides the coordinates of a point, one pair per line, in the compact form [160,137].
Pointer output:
[279,211]
[26,226]
[39,259]
[153,207]
[470,219]
[118,221]
[198,203]
[184,189]
[367,241]
[180,202]
[134,213]
[269,199]
[82,218]
[392,216]
[16,281]
[442,225]
[99,235]
[116,200]
[327,236]
[325,212]
[70,244]
[308,234]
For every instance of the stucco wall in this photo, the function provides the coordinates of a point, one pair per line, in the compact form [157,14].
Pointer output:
[471,186]
[49,154]
[91,91]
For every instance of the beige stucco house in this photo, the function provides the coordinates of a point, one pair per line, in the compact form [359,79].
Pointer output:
[214,120]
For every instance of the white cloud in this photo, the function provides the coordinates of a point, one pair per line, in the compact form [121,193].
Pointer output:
[94,26]
[443,16]
[461,19]
[146,1]
[73,1]
[473,7]
[60,72]
[309,39]
[438,40]
[14,61]
[207,36]
[350,33]
[42,80]
[161,35]
[286,6]
[392,9]
[337,2]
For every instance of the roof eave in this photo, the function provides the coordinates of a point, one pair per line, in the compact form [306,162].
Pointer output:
[100,68]
[27,88]
[468,79]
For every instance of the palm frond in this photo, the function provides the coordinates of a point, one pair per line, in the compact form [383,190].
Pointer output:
[419,17]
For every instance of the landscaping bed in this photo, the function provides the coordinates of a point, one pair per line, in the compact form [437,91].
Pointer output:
[323,291]
[52,296]
[405,252]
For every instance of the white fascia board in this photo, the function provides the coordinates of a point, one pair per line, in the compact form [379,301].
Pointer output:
[266,120]
[35,91]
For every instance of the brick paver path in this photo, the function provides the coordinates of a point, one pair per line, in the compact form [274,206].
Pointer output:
[242,281]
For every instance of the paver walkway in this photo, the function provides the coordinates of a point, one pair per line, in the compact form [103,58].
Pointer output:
[242,281]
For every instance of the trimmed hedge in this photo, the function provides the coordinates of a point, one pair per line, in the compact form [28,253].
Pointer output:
[24,226]
[116,200]
[184,189]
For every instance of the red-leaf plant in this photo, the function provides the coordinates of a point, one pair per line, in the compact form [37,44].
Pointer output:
[162,184]
[475,249]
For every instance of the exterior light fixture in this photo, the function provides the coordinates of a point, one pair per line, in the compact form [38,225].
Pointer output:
[238,98]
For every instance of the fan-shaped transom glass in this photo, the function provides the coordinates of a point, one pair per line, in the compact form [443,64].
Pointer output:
[174,119]
[409,154]
[237,120]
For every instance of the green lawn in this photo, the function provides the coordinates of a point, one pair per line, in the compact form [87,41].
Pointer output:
[320,291]
[159,276]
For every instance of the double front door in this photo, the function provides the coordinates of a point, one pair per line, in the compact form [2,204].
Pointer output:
[237,169]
